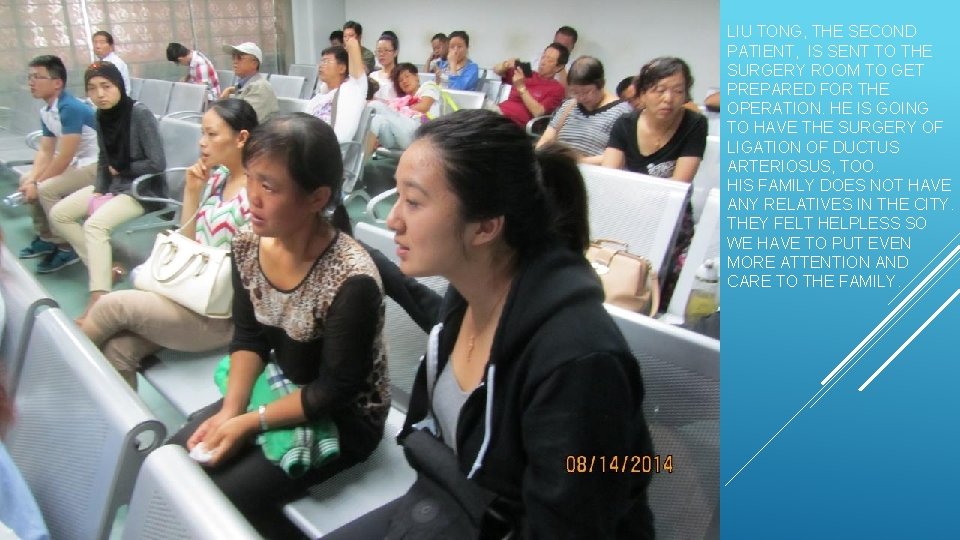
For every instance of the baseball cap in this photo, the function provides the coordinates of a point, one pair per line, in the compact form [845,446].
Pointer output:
[245,48]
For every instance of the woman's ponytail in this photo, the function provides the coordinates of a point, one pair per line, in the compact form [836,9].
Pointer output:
[565,190]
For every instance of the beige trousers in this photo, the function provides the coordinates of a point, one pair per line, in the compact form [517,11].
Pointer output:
[51,190]
[130,325]
[91,239]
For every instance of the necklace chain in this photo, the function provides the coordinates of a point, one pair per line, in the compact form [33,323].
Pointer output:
[494,316]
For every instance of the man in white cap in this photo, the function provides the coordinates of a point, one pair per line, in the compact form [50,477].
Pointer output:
[251,86]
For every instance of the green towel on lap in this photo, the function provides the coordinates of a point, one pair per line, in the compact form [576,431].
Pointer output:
[295,449]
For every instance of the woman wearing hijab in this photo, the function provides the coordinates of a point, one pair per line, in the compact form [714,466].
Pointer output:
[130,146]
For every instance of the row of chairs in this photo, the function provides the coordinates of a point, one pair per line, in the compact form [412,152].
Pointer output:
[164,97]
[85,442]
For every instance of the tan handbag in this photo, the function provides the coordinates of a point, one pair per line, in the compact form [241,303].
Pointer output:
[629,281]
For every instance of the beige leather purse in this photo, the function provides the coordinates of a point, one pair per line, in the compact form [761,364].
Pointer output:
[629,281]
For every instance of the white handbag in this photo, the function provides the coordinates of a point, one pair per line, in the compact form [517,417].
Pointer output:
[196,276]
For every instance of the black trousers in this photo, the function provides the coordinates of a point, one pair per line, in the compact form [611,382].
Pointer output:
[257,487]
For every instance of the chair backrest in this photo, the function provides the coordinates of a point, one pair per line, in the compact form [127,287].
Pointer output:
[707,177]
[155,94]
[352,152]
[22,298]
[309,74]
[426,77]
[704,245]
[81,431]
[465,99]
[406,341]
[492,90]
[181,139]
[287,85]
[292,105]
[681,380]
[187,97]
[636,209]
[25,114]
[713,122]
[504,92]
[136,84]
[175,498]
[226,77]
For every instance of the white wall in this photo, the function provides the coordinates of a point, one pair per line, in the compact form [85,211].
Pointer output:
[313,20]
[623,34]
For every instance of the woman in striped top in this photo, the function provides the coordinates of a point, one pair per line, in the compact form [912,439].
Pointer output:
[583,122]
[130,325]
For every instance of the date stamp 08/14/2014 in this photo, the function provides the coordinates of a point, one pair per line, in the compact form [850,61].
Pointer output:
[625,464]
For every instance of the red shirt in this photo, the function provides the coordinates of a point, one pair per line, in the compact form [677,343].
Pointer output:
[548,92]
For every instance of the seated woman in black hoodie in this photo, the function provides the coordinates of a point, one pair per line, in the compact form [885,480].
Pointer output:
[525,368]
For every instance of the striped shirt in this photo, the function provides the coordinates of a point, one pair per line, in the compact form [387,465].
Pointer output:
[219,220]
[588,132]
[201,71]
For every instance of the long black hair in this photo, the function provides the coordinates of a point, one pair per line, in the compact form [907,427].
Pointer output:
[492,167]
[236,113]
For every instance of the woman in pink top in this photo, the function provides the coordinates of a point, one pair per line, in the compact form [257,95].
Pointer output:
[130,325]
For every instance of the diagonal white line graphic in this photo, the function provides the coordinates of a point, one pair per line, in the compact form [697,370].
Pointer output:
[886,330]
[762,448]
[924,269]
[860,351]
[910,340]
[893,313]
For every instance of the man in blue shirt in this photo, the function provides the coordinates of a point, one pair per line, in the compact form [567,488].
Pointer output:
[65,161]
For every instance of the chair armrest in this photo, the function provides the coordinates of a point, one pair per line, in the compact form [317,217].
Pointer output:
[537,125]
[139,181]
[393,153]
[6,113]
[372,205]
[32,139]
[184,115]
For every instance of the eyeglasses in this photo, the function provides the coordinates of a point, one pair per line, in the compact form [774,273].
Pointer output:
[35,77]
[581,94]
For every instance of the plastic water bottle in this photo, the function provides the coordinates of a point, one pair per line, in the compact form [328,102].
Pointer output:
[444,79]
[14,199]
[704,296]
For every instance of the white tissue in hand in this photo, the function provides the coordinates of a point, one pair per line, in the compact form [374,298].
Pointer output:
[200,453]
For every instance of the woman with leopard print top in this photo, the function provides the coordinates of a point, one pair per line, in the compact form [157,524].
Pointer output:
[309,298]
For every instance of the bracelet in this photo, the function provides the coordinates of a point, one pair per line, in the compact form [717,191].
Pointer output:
[262,412]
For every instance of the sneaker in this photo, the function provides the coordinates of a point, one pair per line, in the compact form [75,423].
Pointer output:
[56,261]
[38,248]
